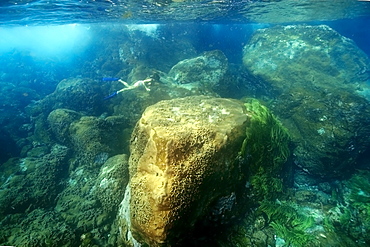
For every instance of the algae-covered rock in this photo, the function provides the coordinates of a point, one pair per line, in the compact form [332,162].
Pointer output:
[81,95]
[205,70]
[59,121]
[266,150]
[28,190]
[190,161]
[87,137]
[182,160]
[42,228]
[353,216]
[164,52]
[73,97]
[95,139]
[79,207]
[112,178]
[32,181]
[306,57]
[316,77]
[132,103]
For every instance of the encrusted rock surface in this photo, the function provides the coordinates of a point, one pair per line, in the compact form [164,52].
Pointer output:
[316,56]
[318,79]
[183,158]
[112,177]
[206,69]
[59,121]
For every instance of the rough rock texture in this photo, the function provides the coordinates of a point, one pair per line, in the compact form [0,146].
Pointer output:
[59,121]
[131,104]
[83,95]
[43,228]
[112,177]
[28,188]
[317,56]
[95,139]
[88,139]
[207,69]
[163,54]
[32,181]
[182,159]
[318,80]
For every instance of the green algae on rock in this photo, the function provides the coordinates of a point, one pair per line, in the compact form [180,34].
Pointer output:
[91,198]
[75,94]
[186,159]
[317,75]
[43,228]
[112,177]
[27,193]
[355,219]
[72,98]
[266,149]
[89,137]
[181,149]
[32,181]
[303,55]
[59,121]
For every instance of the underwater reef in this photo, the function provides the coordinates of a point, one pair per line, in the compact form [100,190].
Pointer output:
[187,156]
[272,151]
[319,80]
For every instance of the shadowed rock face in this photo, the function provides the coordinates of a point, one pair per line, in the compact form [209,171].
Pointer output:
[183,158]
[318,80]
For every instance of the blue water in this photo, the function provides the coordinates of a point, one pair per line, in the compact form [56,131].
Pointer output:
[28,12]
[45,42]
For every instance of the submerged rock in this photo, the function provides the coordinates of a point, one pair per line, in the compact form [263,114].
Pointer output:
[164,52]
[93,139]
[354,215]
[306,57]
[112,177]
[206,70]
[72,98]
[182,160]
[44,228]
[59,121]
[31,183]
[81,95]
[89,139]
[186,159]
[316,77]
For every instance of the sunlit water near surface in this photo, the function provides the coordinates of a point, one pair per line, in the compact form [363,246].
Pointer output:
[66,118]
[164,11]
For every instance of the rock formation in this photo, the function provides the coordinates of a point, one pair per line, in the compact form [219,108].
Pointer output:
[205,70]
[318,81]
[182,159]
[189,156]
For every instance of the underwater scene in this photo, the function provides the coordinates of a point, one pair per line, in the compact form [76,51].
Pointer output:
[158,123]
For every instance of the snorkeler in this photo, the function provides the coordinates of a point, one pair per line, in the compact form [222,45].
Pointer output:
[140,83]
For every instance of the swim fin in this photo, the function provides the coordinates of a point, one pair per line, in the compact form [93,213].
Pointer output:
[111,95]
[110,79]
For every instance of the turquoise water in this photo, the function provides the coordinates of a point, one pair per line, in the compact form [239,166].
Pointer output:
[76,77]
[163,11]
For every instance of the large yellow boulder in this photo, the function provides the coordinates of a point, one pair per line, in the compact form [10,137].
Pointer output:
[183,158]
